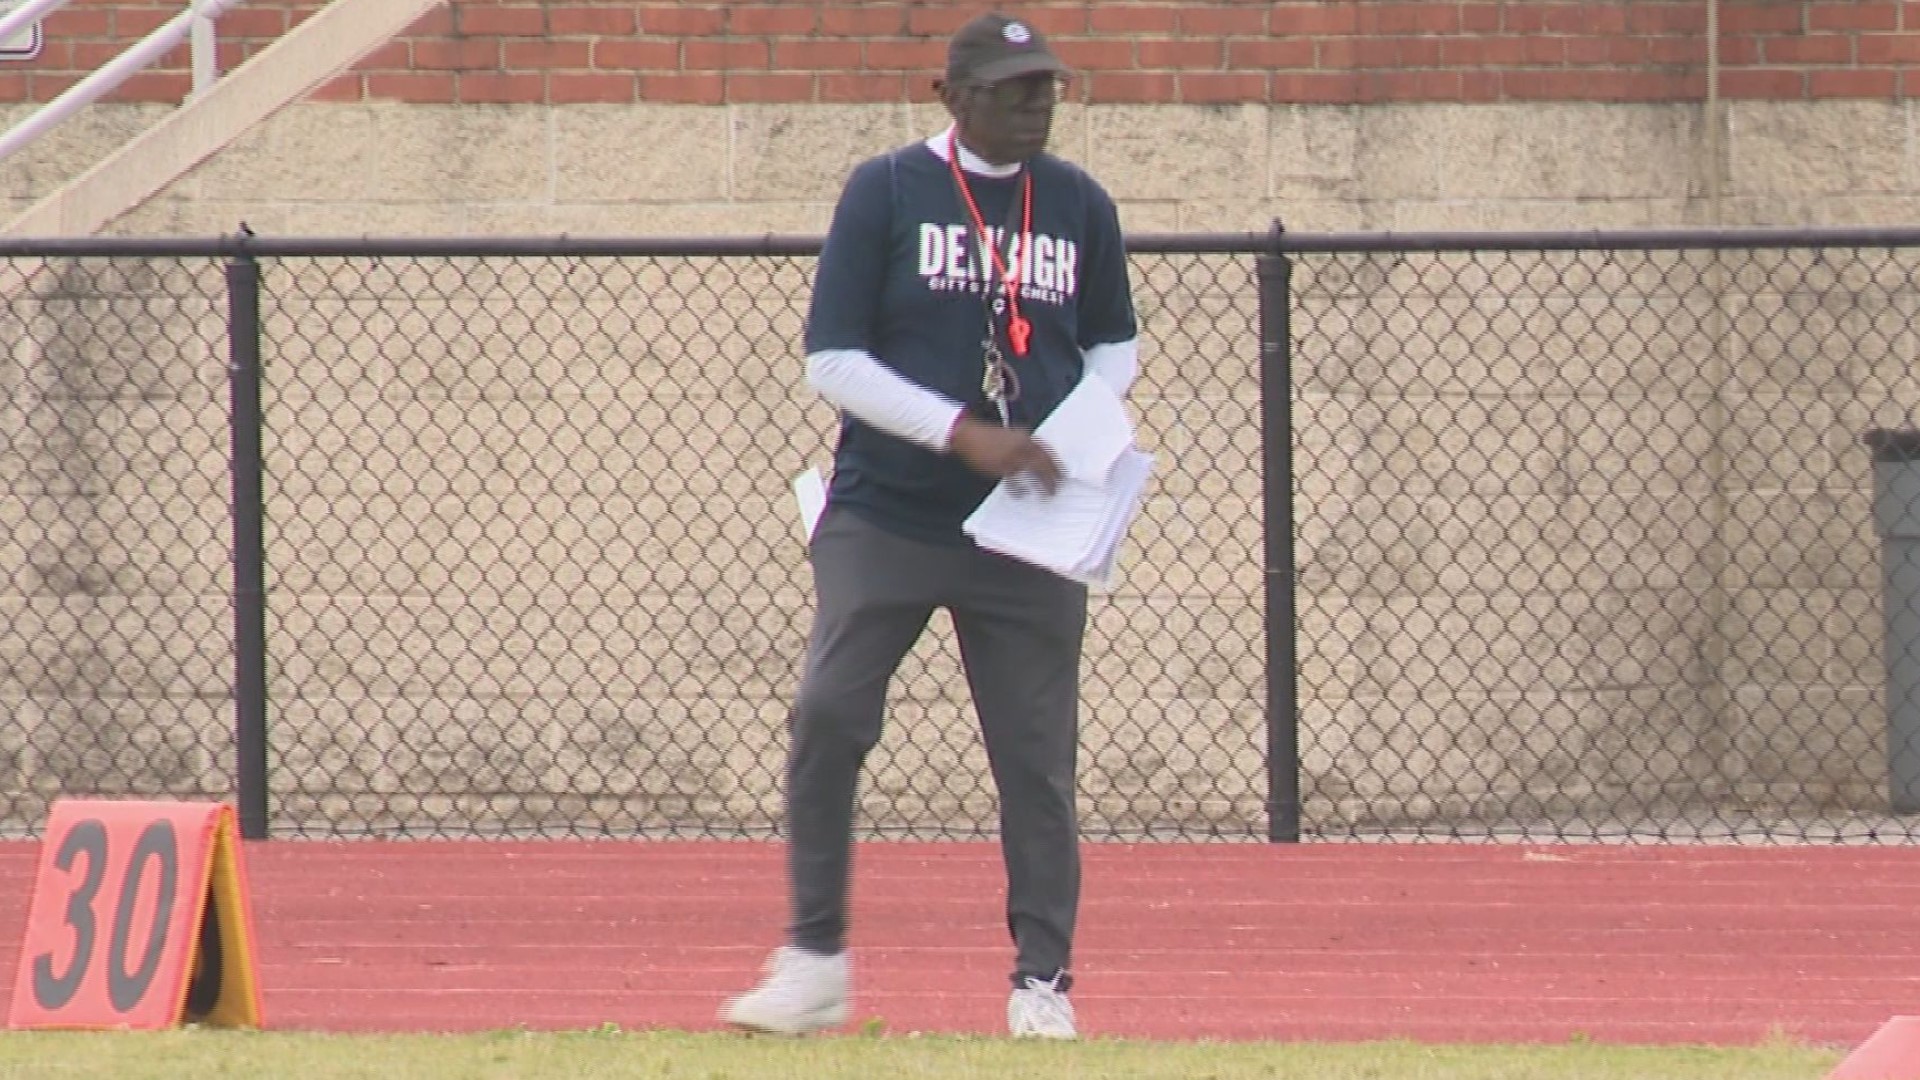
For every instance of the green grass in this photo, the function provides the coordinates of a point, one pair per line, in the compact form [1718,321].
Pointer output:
[611,1054]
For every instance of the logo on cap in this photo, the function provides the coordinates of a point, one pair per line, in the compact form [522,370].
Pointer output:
[1017,33]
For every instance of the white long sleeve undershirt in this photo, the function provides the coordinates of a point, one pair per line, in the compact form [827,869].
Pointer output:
[864,388]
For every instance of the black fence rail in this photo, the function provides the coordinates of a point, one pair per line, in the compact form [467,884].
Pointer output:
[1540,536]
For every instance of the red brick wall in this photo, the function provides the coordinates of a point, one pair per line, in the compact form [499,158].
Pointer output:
[1228,51]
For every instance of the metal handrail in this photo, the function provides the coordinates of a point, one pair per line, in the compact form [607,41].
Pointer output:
[25,15]
[195,23]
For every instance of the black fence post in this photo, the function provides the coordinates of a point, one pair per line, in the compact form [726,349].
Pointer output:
[249,546]
[1276,483]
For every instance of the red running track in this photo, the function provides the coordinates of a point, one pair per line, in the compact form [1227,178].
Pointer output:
[1440,943]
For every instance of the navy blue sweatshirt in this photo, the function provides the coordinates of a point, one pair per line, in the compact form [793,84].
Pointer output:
[903,277]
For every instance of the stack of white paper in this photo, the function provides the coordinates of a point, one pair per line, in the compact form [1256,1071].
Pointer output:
[810,494]
[1076,531]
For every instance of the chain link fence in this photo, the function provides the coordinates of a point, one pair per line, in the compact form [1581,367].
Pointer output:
[116,589]
[1585,540]
[1570,539]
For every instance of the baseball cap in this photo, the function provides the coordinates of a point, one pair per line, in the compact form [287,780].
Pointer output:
[995,47]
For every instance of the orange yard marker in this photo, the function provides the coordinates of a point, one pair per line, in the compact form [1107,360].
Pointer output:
[139,919]
[1891,1053]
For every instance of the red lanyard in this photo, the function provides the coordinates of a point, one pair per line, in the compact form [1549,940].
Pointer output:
[1019,330]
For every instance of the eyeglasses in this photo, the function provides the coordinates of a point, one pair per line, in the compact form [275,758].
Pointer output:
[1023,90]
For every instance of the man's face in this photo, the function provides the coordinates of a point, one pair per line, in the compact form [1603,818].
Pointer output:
[1006,121]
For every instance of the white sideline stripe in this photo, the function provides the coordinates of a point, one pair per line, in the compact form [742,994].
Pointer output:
[330,41]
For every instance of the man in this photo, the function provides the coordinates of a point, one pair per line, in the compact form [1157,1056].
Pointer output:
[967,284]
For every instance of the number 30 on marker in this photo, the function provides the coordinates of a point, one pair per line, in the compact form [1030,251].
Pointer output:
[152,874]
[139,920]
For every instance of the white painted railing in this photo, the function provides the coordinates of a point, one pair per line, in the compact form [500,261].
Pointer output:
[195,23]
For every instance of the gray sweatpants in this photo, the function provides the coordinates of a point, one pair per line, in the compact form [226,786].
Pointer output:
[1020,630]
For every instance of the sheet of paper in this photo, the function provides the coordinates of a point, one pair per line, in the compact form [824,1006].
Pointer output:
[810,496]
[1075,532]
[1127,484]
[1087,430]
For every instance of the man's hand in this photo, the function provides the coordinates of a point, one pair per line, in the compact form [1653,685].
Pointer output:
[1003,452]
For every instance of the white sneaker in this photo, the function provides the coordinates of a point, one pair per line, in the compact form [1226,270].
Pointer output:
[1040,1011]
[803,992]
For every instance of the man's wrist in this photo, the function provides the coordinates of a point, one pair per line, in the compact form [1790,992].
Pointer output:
[960,421]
